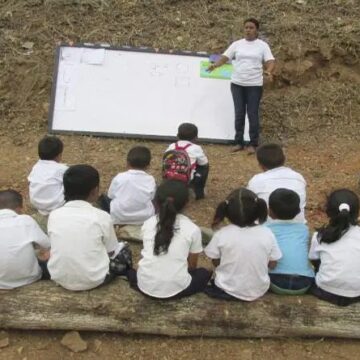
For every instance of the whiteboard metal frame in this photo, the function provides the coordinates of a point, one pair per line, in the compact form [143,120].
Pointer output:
[113,134]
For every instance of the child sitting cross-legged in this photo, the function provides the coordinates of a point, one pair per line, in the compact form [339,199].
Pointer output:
[131,192]
[85,252]
[242,251]
[46,177]
[19,233]
[335,251]
[293,273]
[171,246]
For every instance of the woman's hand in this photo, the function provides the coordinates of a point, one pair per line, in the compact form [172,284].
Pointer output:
[269,76]
[211,67]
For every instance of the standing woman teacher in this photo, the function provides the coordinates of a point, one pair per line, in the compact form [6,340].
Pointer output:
[249,58]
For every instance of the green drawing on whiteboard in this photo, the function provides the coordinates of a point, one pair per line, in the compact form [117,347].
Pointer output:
[223,72]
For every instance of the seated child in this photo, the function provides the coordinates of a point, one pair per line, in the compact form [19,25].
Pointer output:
[19,265]
[293,273]
[131,192]
[46,177]
[171,246]
[335,251]
[187,135]
[82,237]
[242,251]
[275,175]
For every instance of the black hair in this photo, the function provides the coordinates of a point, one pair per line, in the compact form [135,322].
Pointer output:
[270,156]
[284,204]
[50,147]
[10,199]
[242,207]
[79,181]
[342,208]
[170,198]
[187,131]
[139,157]
[254,21]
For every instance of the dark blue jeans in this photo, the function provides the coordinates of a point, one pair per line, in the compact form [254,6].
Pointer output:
[291,282]
[246,101]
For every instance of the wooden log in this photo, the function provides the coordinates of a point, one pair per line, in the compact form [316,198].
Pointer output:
[118,308]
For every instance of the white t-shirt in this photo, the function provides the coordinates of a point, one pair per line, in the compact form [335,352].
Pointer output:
[46,185]
[247,59]
[18,263]
[244,255]
[81,237]
[339,271]
[166,275]
[265,183]
[195,152]
[132,193]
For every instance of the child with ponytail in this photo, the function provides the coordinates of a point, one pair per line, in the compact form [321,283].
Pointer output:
[335,251]
[171,246]
[242,251]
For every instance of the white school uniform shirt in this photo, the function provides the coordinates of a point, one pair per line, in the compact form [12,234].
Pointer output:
[247,59]
[265,183]
[244,255]
[81,237]
[132,193]
[46,188]
[166,275]
[18,263]
[339,271]
[195,152]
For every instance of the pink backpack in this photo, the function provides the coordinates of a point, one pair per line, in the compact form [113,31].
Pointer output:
[176,164]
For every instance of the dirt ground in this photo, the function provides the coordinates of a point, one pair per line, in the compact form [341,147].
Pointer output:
[312,108]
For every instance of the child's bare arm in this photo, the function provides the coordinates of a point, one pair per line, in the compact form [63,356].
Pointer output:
[192,261]
[272,264]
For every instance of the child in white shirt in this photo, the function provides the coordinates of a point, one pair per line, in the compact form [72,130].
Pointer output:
[19,264]
[131,192]
[46,177]
[275,175]
[187,136]
[82,237]
[335,251]
[242,251]
[171,246]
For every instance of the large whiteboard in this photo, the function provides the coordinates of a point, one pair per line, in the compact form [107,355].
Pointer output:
[137,93]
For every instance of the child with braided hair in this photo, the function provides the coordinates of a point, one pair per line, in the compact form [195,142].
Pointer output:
[242,251]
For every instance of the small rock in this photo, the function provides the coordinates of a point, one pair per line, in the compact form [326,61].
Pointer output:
[4,339]
[300,2]
[179,38]
[20,350]
[73,341]
[28,45]
[97,345]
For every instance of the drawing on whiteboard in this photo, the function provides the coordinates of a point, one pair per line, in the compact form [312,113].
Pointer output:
[65,99]
[70,56]
[223,72]
[158,70]
[93,56]
[69,74]
[182,81]
[182,68]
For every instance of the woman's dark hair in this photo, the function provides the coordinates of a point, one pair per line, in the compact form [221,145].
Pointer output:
[170,198]
[342,208]
[79,181]
[254,21]
[284,204]
[50,147]
[242,207]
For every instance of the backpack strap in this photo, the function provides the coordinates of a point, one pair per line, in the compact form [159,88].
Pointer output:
[178,147]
